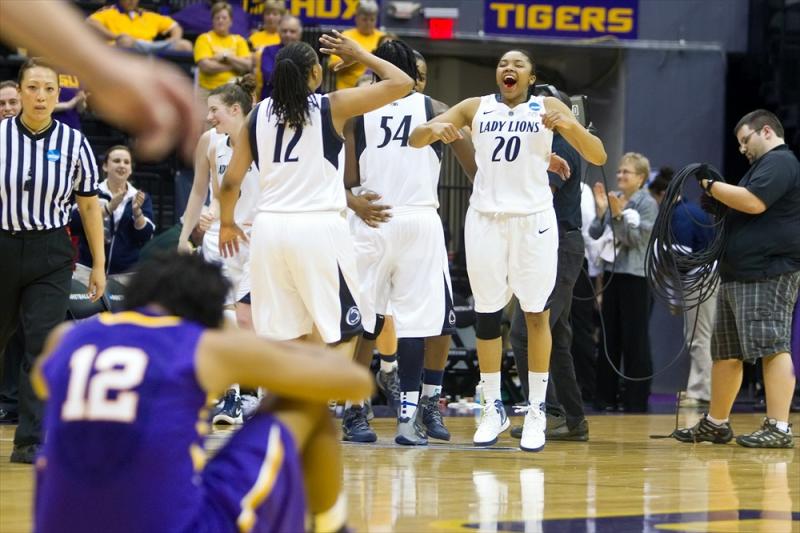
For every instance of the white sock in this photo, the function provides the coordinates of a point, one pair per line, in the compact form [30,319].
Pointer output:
[387,367]
[491,386]
[408,404]
[334,518]
[715,421]
[348,404]
[537,384]
[783,426]
[431,390]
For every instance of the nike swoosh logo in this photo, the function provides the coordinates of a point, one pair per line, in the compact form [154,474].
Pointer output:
[487,112]
[543,230]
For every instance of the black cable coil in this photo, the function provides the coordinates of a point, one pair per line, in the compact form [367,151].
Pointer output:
[685,278]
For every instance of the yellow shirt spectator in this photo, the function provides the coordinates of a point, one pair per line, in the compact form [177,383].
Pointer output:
[139,24]
[209,45]
[349,77]
[260,39]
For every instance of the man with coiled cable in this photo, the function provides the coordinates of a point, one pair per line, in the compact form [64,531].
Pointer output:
[760,271]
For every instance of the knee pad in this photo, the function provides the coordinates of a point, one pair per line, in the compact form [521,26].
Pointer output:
[379,320]
[488,325]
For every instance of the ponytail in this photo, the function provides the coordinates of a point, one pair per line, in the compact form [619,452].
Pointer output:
[290,84]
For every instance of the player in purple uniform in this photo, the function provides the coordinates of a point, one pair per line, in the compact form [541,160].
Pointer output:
[126,417]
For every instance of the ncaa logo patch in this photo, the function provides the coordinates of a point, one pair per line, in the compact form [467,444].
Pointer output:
[353,316]
[451,318]
[53,155]
[535,106]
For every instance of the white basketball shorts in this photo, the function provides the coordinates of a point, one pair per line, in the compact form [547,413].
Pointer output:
[403,264]
[511,254]
[303,273]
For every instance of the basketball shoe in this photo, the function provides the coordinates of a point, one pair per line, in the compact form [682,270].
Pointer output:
[493,422]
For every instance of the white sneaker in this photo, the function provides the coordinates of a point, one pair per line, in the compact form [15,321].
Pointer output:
[533,430]
[493,422]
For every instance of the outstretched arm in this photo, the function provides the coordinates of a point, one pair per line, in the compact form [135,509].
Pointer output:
[296,370]
[348,103]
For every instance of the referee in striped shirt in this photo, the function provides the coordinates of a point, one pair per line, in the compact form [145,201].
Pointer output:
[43,165]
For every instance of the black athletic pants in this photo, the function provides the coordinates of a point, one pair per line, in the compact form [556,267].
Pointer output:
[563,387]
[35,277]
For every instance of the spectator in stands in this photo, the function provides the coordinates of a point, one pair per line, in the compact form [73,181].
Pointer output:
[624,222]
[196,18]
[219,54]
[268,35]
[71,101]
[127,215]
[127,25]
[291,31]
[10,103]
[364,34]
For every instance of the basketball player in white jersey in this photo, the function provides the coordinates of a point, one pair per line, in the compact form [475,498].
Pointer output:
[403,261]
[228,106]
[510,234]
[303,271]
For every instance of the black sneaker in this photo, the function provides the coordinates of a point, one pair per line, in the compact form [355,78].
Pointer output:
[228,410]
[769,436]
[554,422]
[431,418]
[25,454]
[389,385]
[579,433]
[705,431]
[355,427]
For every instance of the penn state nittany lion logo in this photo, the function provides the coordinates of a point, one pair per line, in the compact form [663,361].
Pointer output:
[222,169]
[353,316]
[451,317]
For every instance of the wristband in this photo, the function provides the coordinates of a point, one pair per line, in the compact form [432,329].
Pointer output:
[709,184]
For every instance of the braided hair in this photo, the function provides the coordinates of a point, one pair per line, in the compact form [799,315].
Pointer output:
[239,92]
[400,55]
[290,83]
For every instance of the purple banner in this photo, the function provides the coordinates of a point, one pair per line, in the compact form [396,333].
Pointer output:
[561,18]
[325,12]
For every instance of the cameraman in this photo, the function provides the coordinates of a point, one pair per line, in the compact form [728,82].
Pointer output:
[760,269]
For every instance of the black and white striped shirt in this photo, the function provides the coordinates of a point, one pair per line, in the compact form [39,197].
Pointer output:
[39,173]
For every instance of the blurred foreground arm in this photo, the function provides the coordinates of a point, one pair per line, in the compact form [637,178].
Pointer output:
[148,98]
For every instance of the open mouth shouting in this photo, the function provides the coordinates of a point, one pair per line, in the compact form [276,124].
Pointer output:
[509,81]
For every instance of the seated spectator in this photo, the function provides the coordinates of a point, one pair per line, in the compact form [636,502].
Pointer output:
[196,18]
[219,54]
[71,101]
[126,25]
[10,104]
[290,30]
[364,34]
[268,35]
[127,215]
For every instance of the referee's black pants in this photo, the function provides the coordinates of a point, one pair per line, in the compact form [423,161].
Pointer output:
[35,278]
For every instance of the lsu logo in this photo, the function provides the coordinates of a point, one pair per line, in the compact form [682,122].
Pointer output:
[353,316]
[53,155]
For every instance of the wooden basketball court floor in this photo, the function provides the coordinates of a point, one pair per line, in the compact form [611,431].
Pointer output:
[619,481]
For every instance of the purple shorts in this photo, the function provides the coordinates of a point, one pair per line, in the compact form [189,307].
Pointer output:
[254,483]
